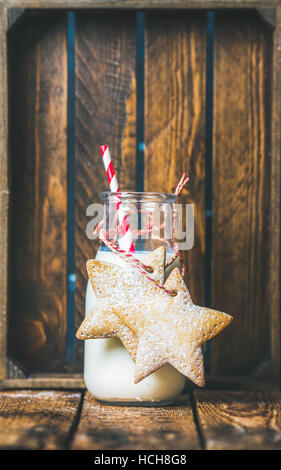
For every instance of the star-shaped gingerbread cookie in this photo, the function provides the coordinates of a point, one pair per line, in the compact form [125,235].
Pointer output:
[102,322]
[175,332]
[170,328]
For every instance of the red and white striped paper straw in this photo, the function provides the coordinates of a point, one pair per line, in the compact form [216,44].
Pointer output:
[126,240]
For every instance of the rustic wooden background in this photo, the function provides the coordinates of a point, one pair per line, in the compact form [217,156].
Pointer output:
[195,88]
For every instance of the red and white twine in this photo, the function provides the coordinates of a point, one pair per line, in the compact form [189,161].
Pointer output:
[182,182]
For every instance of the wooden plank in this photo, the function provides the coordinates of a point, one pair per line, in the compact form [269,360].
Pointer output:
[38,208]
[141,4]
[274,274]
[175,82]
[240,420]
[241,191]
[36,420]
[4,191]
[105,113]
[113,427]
[62,382]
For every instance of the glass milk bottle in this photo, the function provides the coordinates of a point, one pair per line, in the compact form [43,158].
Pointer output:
[108,367]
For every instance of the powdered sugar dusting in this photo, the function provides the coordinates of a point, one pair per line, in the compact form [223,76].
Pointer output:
[102,322]
[169,329]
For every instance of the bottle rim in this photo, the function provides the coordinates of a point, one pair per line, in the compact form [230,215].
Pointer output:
[138,197]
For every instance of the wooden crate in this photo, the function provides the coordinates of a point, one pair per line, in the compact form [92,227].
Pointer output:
[199,84]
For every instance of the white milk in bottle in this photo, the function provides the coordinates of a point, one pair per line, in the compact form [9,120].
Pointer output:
[108,367]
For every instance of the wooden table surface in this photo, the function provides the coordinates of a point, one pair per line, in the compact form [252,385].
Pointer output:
[203,419]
